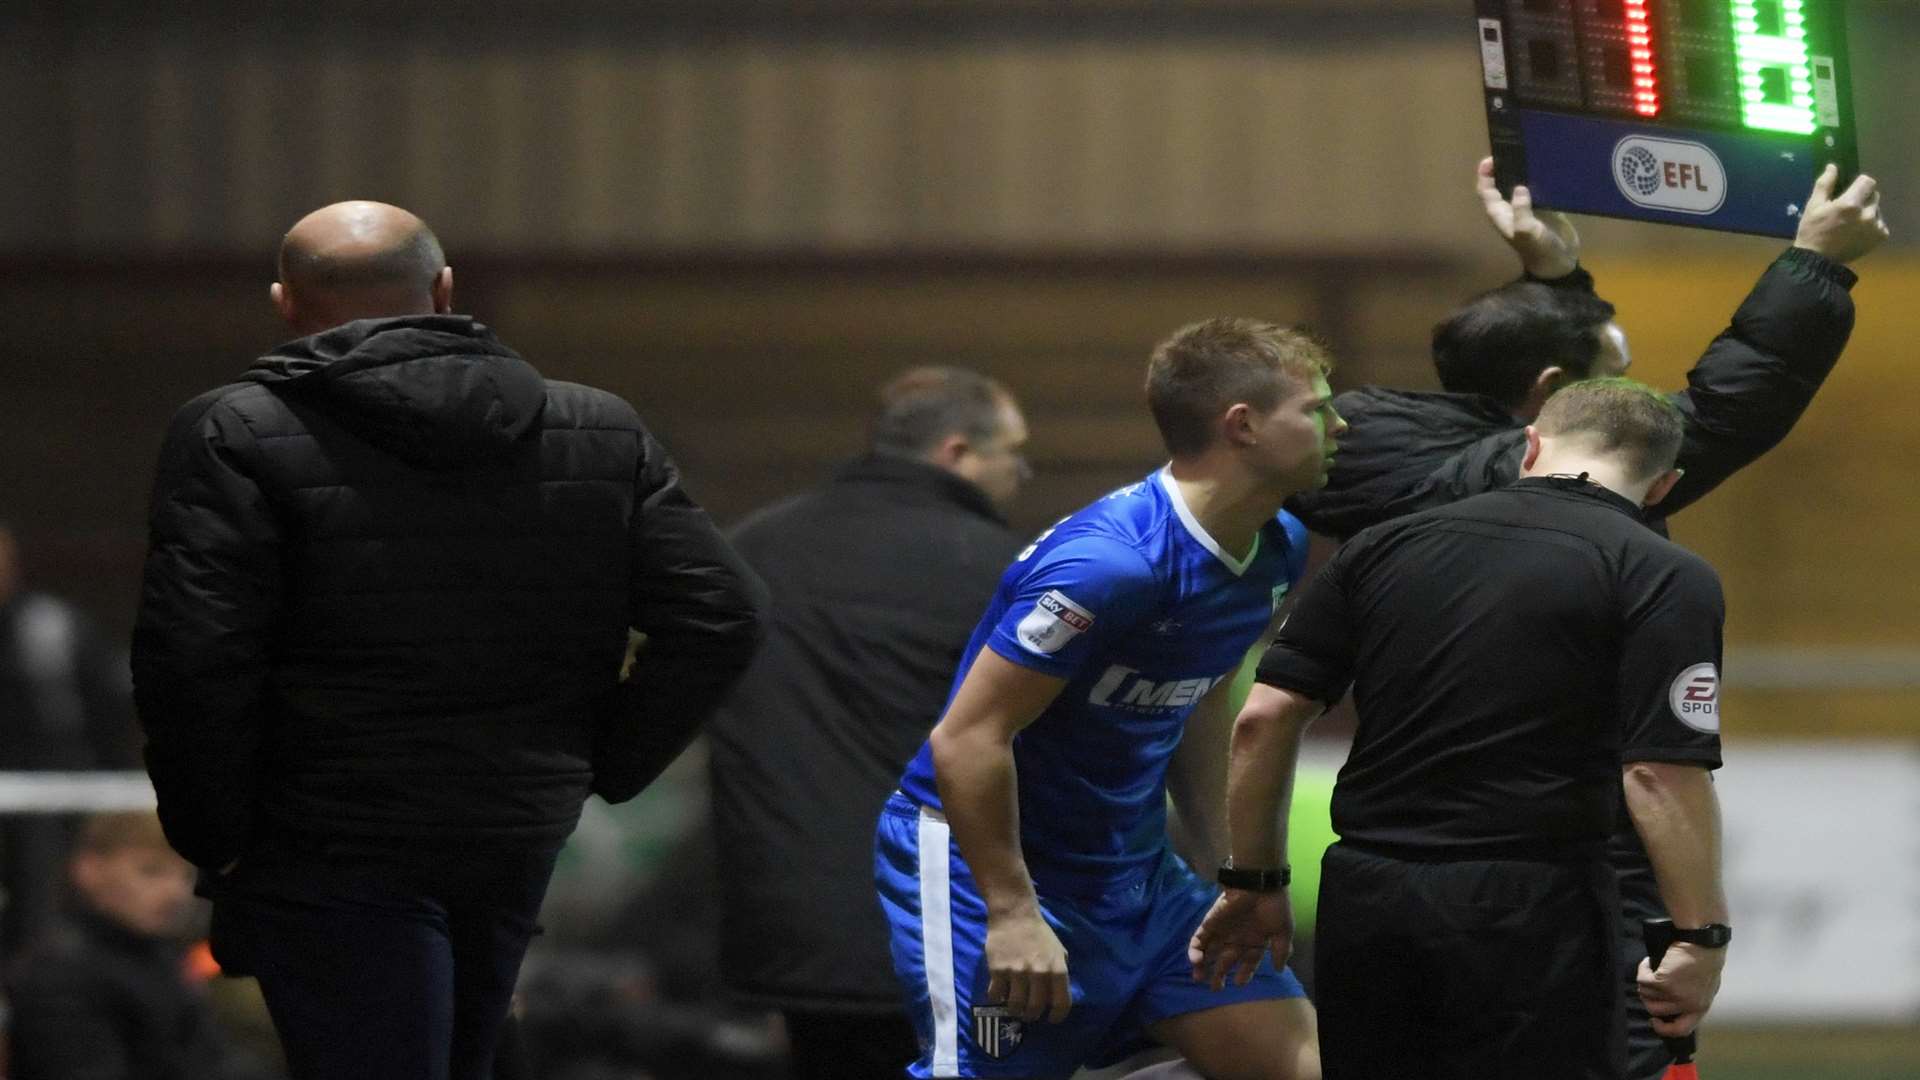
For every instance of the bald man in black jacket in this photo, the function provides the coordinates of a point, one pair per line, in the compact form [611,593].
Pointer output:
[391,577]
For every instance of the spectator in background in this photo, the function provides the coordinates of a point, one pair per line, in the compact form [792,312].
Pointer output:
[64,705]
[105,993]
[877,578]
[391,576]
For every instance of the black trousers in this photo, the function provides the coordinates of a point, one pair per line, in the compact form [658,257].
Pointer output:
[1467,970]
[850,1046]
[380,965]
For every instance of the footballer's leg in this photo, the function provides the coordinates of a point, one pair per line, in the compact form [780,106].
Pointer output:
[1263,1029]
[1268,1039]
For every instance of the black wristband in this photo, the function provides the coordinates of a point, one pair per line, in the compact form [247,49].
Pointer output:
[1710,936]
[1239,877]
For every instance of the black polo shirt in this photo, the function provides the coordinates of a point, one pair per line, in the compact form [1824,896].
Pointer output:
[1507,653]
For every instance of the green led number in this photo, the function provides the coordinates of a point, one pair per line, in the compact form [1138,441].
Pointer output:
[1776,84]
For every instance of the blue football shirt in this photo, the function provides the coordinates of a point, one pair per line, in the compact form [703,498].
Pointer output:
[1142,613]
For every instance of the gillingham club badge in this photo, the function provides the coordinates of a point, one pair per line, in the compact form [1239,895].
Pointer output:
[997,1031]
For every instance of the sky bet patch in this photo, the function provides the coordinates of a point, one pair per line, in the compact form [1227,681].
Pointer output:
[1054,621]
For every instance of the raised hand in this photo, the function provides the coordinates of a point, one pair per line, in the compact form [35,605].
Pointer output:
[1843,228]
[1546,241]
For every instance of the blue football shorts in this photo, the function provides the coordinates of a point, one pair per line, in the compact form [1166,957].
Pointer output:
[1126,948]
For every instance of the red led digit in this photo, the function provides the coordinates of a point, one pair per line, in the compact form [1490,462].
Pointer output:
[1646,83]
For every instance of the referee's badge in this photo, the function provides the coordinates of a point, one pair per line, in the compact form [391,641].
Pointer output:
[997,1031]
[1695,698]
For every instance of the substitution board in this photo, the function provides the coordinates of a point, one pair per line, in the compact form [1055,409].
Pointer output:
[1717,114]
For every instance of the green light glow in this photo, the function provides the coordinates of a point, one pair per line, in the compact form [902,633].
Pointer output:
[1785,54]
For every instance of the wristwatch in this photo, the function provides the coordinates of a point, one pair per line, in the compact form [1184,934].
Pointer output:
[1711,936]
[1251,880]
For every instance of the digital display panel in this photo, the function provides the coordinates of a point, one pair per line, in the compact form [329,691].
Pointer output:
[1711,113]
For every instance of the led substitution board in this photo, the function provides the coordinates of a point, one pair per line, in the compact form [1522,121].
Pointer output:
[1717,114]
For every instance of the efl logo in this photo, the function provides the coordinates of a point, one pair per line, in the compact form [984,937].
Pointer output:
[1667,174]
[1695,697]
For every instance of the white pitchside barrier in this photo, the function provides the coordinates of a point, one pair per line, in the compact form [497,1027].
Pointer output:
[1822,871]
[73,792]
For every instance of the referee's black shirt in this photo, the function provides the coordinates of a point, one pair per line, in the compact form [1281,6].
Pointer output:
[1507,653]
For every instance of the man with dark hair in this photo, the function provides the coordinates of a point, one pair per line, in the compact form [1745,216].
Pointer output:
[877,578]
[1518,342]
[104,994]
[1466,913]
[1503,354]
[391,577]
[1024,864]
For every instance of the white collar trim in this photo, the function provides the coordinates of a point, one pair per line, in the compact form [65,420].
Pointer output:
[1238,566]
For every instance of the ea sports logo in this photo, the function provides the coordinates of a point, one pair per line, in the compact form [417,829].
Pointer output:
[1669,174]
[1695,697]
[1640,170]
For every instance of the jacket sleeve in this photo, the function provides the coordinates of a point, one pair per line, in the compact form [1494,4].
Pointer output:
[1762,372]
[210,595]
[699,606]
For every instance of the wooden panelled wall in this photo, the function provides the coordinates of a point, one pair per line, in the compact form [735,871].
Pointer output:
[599,127]
[759,375]
[743,213]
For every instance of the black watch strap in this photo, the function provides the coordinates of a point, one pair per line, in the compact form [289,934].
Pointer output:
[1711,936]
[1252,880]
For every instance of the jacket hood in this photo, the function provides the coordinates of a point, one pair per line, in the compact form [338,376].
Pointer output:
[439,391]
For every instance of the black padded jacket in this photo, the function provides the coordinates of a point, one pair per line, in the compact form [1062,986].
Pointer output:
[1407,451]
[388,589]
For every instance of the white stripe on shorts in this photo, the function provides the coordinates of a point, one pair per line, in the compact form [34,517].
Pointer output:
[936,939]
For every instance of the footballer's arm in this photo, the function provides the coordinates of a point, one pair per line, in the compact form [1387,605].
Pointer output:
[973,764]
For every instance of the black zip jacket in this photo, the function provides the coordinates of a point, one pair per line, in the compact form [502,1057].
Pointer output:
[877,579]
[1408,450]
[387,594]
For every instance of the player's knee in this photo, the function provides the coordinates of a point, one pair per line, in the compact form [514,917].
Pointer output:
[1306,1066]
